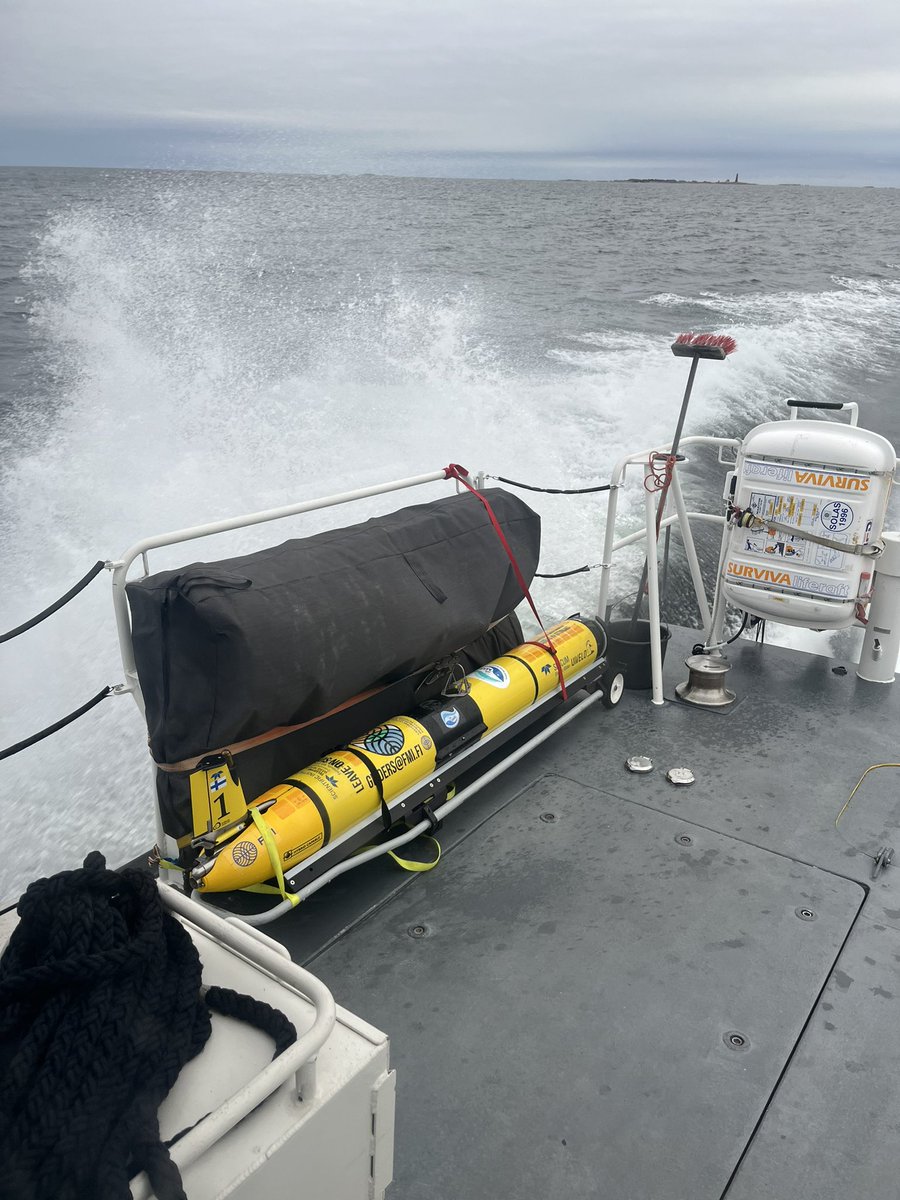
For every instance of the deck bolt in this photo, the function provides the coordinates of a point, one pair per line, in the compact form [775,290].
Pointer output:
[805,914]
[735,1041]
[548,816]
[684,839]
[418,931]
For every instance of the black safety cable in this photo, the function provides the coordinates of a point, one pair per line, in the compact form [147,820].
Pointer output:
[743,626]
[699,647]
[60,724]
[100,1008]
[57,605]
[564,574]
[530,487]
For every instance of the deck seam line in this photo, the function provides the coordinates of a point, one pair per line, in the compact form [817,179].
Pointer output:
[790,1058]
[719,832]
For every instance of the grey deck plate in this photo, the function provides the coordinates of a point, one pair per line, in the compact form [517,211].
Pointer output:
[832,1127]
[558,1032]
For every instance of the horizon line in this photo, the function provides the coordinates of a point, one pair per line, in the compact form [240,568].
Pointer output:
[464,178]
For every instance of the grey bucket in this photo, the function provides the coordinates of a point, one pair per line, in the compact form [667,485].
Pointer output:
[629,650]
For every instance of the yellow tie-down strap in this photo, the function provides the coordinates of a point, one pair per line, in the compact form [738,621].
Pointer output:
[274,861]
[412,864]
[408,864]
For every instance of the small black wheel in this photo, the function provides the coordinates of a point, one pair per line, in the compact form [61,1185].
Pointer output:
[613,689]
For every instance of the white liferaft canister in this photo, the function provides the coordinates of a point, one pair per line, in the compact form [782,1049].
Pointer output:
[828,479]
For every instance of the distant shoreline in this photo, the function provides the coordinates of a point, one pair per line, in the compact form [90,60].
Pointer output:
[306,174]
[727,182]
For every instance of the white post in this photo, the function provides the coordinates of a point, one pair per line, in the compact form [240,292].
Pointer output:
[653,596]
[881,645]
[609,538]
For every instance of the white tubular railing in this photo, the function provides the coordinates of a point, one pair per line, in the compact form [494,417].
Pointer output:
[140,549]
[640,535]
[610,544]
[298,1059]
[682,519]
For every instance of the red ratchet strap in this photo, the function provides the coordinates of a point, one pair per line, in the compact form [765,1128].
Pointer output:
[455,471]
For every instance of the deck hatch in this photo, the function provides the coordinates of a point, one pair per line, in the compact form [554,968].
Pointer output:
[563,1030]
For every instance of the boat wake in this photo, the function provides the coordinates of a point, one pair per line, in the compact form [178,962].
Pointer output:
[196,372]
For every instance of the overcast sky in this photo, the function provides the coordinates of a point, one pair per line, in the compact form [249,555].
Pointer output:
[779,90]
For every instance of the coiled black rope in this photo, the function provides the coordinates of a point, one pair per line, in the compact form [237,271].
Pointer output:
[100,1007]
[530,487]
[58,604]
[57,725]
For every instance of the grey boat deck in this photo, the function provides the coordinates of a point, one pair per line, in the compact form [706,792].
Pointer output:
[615,987]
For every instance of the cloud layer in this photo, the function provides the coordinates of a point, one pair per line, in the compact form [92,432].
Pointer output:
[794,89]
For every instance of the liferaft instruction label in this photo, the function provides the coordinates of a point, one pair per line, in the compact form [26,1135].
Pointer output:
[799,512]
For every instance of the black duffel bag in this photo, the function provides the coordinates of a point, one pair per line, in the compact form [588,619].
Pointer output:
[227,651]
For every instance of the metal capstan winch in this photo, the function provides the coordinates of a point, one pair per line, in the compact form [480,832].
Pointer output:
[705,684]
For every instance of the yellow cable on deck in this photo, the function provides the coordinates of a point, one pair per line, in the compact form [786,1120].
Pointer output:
[874,767]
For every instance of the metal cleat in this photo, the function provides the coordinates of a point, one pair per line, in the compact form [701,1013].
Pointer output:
[882,860]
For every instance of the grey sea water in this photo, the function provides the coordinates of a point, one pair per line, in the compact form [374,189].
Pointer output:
[179,347]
